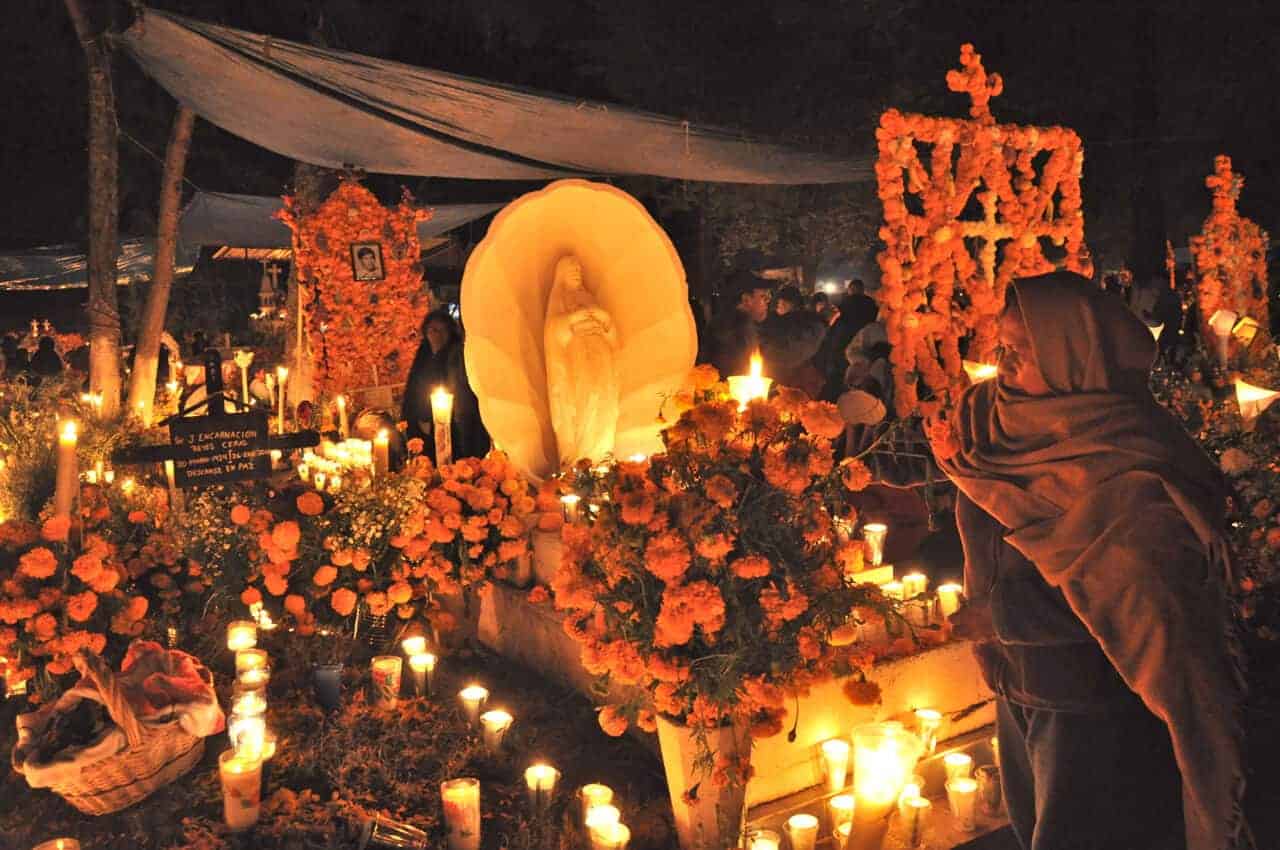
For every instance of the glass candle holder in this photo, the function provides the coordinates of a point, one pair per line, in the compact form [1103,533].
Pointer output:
[874,534]
[461,801]
[914,584]
[242,634]
[884,759]
[248,735]
[802,829]
[241,789]
[763,839]
[990,795]
[914,813]
[958,765]
[610,836]
[962,797]
[248,702]
[473,698]
[384,673]
[382,832]
[248,660]
[592,796]
[841,808]
[929,722]
[423,667]
[541,781]
[835,759]
[569,503]
[256,679]
[493,728]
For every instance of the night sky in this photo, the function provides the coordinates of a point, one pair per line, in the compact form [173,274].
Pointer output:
[1155,89]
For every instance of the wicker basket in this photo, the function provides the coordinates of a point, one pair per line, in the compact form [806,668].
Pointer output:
[157,753]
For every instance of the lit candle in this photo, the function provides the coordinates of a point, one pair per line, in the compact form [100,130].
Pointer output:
[493,727]
[127,485]
[171,387]
[248,704]
[930,722]
[601,815]
[959,765]
[414,645]
[1253,401]
[335,483]
[385,672]
[304,472]
[962,796]
[319,479]
[473,698]
[979,372]
[342,416]
[58,844]
[251,659]
[67,482]
[593,796]
[914,584]
[422,665]
[1221,323]
[109,476]
[442,416]
[461,802]
[541,779]
[256,678]
[248,734]
[610,836]
[874,534]
[763,839]
[282,384]
[914,812]
[570,503]
[995,749]
[841,809]
[101,471]
[802,828]
[949,598]
[242,634]
[894,590]
[241,789]
[753,385]
[381,453]
[835,756]
[884,757]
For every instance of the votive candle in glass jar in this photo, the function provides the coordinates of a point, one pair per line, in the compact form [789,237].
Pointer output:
[461,802]
[802,828]
[958,765]
[248,702]
[385,672]
[248,734]
[251,659]
[423,666]
[594,795]
[241,789]
[763,839]
[58,844]
[541,781]
[874,533]
[914,812]
[600,815]
[962,795]
[930,721]
[949,598]
[493,728]
[242,634]
[610,836]
[835,759]
[473,699]
[841,808]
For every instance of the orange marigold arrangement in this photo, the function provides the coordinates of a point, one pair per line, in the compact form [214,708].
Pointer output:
[713,576]
[935,289]
[1230,255]
[363,332]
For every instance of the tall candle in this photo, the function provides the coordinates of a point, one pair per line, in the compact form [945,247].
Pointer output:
[461,802]
[241,789]
[835,757]
[242,634]
[473,698]
[803,831]
[343,429]
[930,721]
[570,502]
[442,416]
[874,533]
[422,665]
[541,781]
[282,383]
[841,809]
[243,359]
[493,728]
[67,481]
[381,453]
[962,796]
[914,812]
[949,598]
[385,671]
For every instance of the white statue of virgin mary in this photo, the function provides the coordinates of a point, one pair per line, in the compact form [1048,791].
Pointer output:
[580,345]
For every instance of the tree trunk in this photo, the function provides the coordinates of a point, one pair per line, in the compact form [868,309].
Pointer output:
[142,382]
[104,315]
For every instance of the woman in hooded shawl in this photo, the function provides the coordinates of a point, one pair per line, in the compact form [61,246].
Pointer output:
[1096,566]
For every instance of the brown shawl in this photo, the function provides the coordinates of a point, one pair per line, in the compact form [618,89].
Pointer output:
[1119,508]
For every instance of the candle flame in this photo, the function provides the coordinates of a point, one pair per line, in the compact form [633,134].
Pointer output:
[757,365]
[69,430]
[1246,392]
[282,372]
[978,371]
[382,437]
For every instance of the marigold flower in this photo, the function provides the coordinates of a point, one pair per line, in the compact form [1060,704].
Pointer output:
[86,567]
[55,529]
[612,721]
[286,535]
[43,627]
[861,692]
[343,601]
[751,566]
[721,490]
[275,584]
[240,514]
[854,474]
[822,419]
[325,575]
[310,503]
[399,593]
[377,603]
[414,445]
[38,563]
[667,557]
[251,596]
[295,605]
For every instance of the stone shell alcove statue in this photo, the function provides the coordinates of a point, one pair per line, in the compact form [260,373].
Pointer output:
[575,306]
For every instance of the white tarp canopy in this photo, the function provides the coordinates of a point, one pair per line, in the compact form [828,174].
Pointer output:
[336,109]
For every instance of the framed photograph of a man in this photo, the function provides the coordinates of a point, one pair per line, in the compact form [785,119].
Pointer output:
[366,261]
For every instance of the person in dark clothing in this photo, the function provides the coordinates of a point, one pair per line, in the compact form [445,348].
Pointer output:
[733,335]
[439,363]
[856,311]
[789,341]
[46,362]
[10,352]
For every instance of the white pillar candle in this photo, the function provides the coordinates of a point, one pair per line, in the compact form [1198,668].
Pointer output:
[874,534]
[802,828]
[930,721]
[493,728]
[962,796]
[243,360]
[601,815]
[593,796]
[381,453]
[949,598]
[67,481]
[423,666]
[442,417]
[241,789]
[282,384]
[914,812]
[342,416]
[473,698]
[385,673]
[541,780]
[841,808]
[612,836]
[414,645]
[242,634]
[570,502]
[958,765]
[461,802]
[914,584]
[835,758]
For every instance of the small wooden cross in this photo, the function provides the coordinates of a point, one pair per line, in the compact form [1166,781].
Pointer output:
[974,79]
